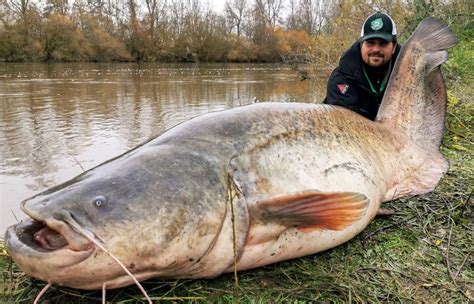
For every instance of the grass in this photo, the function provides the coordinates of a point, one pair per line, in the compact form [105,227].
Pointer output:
[422,253]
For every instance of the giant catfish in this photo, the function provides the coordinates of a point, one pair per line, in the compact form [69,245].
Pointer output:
[244,187]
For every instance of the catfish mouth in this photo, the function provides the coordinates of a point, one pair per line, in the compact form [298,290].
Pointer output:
[39,237]
[53,240]
[49,239]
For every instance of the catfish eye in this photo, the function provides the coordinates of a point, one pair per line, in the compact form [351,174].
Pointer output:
[100,201]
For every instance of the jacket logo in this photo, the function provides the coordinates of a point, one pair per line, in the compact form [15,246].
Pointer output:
[343,88]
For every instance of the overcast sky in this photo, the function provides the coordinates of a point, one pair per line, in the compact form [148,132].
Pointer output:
[217,5]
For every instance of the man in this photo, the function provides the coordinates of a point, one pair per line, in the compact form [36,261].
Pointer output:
[359,82]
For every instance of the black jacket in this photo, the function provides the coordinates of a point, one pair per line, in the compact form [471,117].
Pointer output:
[348,87]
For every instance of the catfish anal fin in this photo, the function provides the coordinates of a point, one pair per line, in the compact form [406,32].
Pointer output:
[313,210]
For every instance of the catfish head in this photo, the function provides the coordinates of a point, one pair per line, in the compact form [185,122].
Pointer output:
[151,208]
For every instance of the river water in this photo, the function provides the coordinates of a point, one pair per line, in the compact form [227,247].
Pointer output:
[58,119]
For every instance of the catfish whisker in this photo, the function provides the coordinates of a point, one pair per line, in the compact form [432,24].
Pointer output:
[121,265]
[92,238]
[83,170]
[104,291]
[14,215]
[42,292]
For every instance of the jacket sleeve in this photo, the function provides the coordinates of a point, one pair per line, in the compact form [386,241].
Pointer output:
[343,92]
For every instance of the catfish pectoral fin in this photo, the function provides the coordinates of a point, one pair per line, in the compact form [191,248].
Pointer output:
[312,210]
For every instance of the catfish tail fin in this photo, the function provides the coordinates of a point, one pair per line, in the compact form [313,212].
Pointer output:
[415,104]
[415,99]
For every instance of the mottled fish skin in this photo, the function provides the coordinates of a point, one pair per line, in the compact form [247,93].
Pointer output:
[252,185]
[300,147]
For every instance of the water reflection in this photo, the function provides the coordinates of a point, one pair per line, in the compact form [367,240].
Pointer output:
[56,118]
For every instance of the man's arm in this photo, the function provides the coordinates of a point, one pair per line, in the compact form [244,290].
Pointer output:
[343,92]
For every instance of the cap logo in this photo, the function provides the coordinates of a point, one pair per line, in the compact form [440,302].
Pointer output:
[376,24]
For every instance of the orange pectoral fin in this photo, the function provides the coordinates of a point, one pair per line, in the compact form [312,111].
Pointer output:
[312,210]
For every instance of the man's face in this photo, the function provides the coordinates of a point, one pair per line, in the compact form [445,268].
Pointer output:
[376,52]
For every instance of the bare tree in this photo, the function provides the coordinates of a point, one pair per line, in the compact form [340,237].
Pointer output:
[270,10]
[135,43]
[178,11]
[155,10]
[57,6]
[234,11]
[19,7]
[292,18]
[96,7]
[311,15]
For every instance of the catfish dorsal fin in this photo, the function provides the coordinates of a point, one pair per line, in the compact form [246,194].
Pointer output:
[415,99]
[311,210]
